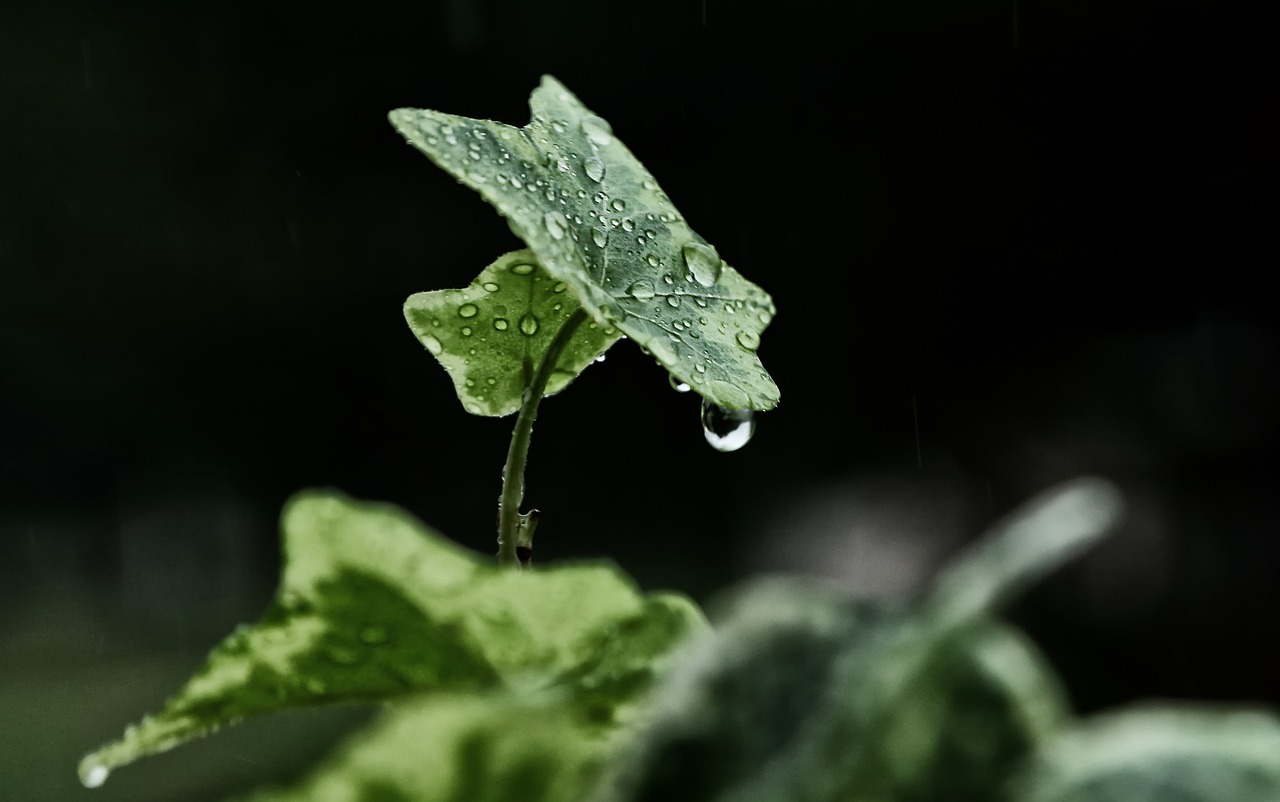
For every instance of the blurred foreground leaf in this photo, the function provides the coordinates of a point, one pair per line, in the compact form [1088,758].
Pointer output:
[373,605]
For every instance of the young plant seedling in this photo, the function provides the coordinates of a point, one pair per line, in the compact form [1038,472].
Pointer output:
[608,257]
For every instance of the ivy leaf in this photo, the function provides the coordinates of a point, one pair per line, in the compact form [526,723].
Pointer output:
[373,605]
[1154,754]
[455,749]
[599,222]
[492,335]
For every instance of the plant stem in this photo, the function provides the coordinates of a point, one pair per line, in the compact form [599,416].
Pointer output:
[518,453]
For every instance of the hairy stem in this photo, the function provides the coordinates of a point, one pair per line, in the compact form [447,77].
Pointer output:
[518,453]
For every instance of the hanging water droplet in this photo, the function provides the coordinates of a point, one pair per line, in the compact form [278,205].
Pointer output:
[529,325]
[727,429]
[594,168]
[555,224]
[676,384]
[599,358]
[703,262]
[468,310]
[524,268]
[94,776]
[748,339]
[642,290]
[433,345]
[597,130]
[500,324]
[601,238]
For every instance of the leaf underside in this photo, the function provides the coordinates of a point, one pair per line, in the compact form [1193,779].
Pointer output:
[492,335]
[598,221]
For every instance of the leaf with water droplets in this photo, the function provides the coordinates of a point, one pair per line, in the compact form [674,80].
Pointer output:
[489,334]
[599,222]
[372,605]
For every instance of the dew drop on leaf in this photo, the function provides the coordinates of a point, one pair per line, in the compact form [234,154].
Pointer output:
[529,325]
[727,429]
[748,339]
[703,262]
[642,290]
[523,269]
[597,130]
[555,224]
[489,286]
[594,168]
[433,345]
[468,310]
[94,776]
[601,238]
[500,324]
[618,205]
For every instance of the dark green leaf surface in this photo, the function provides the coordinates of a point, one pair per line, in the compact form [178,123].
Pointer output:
[599,222]
[1174,754]
[373,605]
[492,335]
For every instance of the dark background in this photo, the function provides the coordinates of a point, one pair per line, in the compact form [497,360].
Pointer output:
[1009,243]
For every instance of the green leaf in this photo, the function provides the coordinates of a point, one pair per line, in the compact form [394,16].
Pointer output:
[373,605]
[492,335]
[455,749]
[1153,754]
[599,222]
[802,694]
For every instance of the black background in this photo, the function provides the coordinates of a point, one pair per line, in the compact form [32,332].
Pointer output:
[1009,243]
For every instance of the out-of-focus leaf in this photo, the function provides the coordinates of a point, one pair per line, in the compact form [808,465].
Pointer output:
[373,605]
[599,222]
[492,335]
[1155,754]
[802,694]
[455,749]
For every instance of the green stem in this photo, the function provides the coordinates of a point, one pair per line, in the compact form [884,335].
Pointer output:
[518,453]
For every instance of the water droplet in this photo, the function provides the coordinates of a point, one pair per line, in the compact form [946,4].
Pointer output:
[468,310]
[597,130]
[673,301]
[748,339]
[599,358]
[594,168]
[652,260]
[489,286]
[628,224]
[500,323]
[560,287]
[524,268]
[618,205]
[94,776]
[601,238]
[466,331]
[703,262]
[642,290]
[676,384]
[529,325]
[555,224]
[516,182]
[433,345]
[727,429]
[374,635]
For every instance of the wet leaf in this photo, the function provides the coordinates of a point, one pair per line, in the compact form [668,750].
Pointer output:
[599,222]
[373,605]
[492,335]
